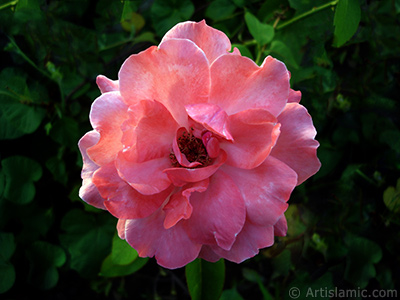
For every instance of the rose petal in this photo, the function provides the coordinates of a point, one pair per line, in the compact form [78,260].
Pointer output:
[181,176]
[212,41]
[208,254]
[123,201]
[172,247]
[294,96]
[255,132]
[88,191]
[265,189]
[107,114]
[248,242]
[211,116]
[212,144]
[218,213]
[280,228]
[107,85]
[175,74]
[237,84]
[296,146]
[149,132]
[146,177]
[121,228]
[179,207]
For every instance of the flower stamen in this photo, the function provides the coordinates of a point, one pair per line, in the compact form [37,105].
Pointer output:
[193,149]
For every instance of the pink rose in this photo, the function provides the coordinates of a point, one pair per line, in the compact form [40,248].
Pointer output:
[196,149]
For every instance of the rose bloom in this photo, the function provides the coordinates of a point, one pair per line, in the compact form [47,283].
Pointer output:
[196,149]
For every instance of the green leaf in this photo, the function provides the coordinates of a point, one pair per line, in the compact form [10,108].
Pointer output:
[54,72]
[280,50]
[122,261]
[111,269]
[253,276]
[346,20]
[220,9]
[20,173]
[262,33]
[336,250]
[244,51]
[57,168]
[303,287]
[302,5]
[318,243]
[130,20]
[88,240]
[7,245]
[296,225]
[122,253]
[45,258]
[66,132]
[392,138]
[19,114]
[231,294]
[391,197]
[362,256]
[167,13]
[7,276]
[7,271]
[2,184]
[282,264]
[17,119]
[205,280]
[329,157]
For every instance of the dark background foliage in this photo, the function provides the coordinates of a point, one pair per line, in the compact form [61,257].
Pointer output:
[343,223]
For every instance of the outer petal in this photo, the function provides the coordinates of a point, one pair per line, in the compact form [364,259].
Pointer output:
[147,177]
[172,247]
[107,114]
[248,242]
[218,213]
[255,132]
[121,228]
[212,117]
[123,201]
[107,85]
[181,176]
[149,132]
[212,41]
[296,146]
[88,191]
[208,254]
[265,189]
[280,228]
[175,74]
[237,84]
[294,96]
[179,207]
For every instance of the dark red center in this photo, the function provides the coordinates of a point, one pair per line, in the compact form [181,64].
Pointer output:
[194,150]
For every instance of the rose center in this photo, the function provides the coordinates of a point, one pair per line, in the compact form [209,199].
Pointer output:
[194,150]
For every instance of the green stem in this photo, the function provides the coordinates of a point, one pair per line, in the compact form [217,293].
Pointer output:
[259,54]
[11,95]
[307,13]
[5,5]
[44,73]
[359,172]
[19,51]
[249,43]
